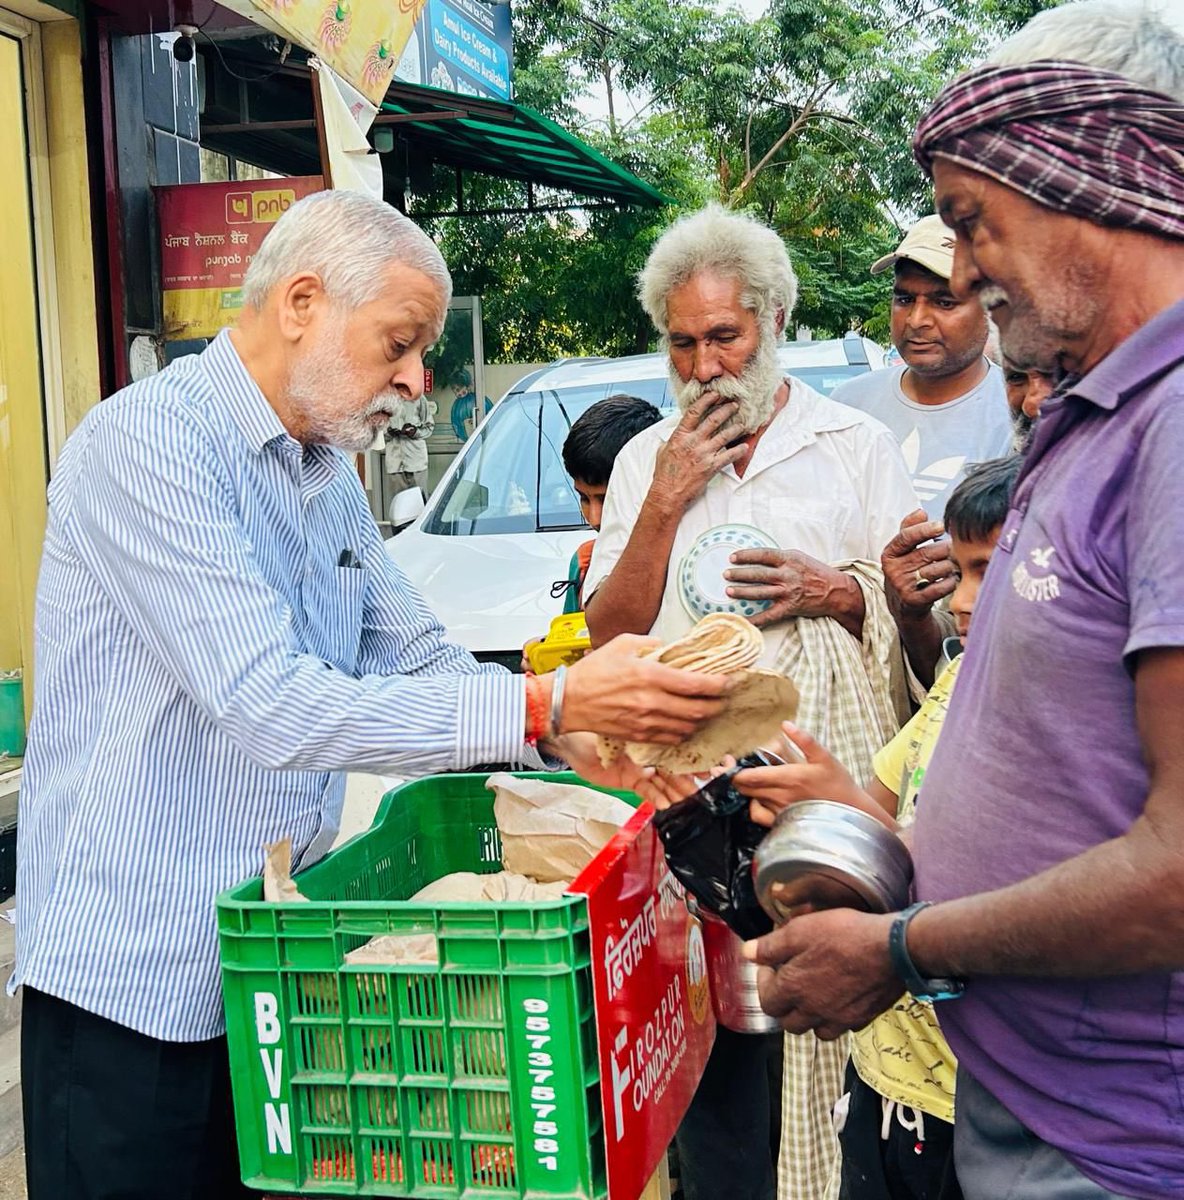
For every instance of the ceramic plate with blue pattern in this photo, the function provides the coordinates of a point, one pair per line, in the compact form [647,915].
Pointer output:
[701,583]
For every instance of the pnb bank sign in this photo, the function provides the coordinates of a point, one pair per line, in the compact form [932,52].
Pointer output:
[209,232]
[265,206]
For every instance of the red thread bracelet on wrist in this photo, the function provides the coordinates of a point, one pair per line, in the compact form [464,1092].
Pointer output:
[536,710]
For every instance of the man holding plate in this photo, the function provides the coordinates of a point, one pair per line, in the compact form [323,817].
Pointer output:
[767,499]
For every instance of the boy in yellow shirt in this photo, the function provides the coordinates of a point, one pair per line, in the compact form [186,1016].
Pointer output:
[896,1119]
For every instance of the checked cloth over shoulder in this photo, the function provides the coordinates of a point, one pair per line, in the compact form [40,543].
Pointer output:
[853,699]
[1078,140]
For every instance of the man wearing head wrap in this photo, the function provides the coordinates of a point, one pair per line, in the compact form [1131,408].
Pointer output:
[1047,846]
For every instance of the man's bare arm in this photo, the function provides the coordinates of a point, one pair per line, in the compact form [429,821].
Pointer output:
[915,554]
[798,586]
[629,599]
[1116,909]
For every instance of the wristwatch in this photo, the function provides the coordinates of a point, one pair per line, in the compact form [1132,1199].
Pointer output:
[930,990]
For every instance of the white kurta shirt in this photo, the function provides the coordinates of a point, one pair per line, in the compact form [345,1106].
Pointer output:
[409,453]
[825,479]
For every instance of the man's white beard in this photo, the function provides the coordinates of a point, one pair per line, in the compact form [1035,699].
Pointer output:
[754,390]
[320,388]
[1022,428]
[357,433]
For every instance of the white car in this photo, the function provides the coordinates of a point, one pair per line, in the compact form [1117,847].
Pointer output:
[502,525]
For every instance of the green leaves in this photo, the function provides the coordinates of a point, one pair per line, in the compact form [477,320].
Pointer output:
[805,116]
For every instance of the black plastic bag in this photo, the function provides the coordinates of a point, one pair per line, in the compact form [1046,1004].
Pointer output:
[710,842]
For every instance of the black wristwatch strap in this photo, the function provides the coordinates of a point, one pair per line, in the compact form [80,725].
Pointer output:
[903,965]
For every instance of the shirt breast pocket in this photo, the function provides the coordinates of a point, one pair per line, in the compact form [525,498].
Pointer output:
[338,630]
[815,525]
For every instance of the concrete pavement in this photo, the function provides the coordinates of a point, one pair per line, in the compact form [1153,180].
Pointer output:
[12,1175]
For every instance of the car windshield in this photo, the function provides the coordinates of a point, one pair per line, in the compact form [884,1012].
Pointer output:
[825,379]
[511,477]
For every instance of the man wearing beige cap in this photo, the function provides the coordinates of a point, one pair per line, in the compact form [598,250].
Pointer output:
[945,403]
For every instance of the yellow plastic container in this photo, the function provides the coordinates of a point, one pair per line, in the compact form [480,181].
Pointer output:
[566,642]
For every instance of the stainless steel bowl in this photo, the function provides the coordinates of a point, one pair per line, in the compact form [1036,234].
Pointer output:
[820,854]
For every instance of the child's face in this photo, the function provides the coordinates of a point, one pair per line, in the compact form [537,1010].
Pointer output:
[970,559]
[591,497]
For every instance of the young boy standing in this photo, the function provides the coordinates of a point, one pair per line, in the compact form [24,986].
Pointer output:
[589,451]
[896,1118]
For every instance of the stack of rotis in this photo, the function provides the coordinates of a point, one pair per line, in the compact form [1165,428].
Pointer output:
[720,644]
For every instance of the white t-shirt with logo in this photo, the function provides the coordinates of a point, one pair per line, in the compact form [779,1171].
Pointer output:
[939,441]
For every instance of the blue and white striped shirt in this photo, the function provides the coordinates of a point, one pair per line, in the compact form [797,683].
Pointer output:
[205,672]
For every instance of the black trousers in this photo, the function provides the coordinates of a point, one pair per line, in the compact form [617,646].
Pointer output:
[728,1141]
[890,1153]
[111,1114]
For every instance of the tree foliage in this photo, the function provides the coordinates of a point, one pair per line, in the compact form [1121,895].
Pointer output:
[803,116]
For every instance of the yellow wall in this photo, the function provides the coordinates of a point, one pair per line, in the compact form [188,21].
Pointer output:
[49,364]
[22,430]
[61,53]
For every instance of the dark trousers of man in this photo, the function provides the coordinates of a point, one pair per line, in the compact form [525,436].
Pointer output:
[893,1153]
[111,1114]
[728,1141]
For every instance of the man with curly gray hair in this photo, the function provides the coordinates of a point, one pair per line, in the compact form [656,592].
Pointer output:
[826,486]
[726,245]
[749,446]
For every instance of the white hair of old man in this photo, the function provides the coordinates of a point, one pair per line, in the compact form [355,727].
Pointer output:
[1141,39]
[349,240]
[731,245]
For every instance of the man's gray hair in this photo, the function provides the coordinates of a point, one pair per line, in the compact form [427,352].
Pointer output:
[1130,37]
[348,239]
[717,242]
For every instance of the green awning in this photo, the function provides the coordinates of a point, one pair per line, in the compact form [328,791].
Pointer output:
[270,123]
[513,142]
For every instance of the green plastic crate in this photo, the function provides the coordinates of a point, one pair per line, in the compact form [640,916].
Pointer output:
[476,1078]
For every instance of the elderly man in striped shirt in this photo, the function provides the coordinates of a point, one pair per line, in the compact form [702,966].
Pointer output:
[220,635]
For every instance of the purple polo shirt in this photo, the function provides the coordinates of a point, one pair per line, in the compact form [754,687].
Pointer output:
[1039,759]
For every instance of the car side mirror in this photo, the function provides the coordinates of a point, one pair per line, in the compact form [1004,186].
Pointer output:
[406,506]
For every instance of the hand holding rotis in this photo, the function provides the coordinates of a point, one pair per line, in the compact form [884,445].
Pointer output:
[621,690]
[722,646]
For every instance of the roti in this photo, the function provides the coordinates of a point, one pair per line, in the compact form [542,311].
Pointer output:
[720,644]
